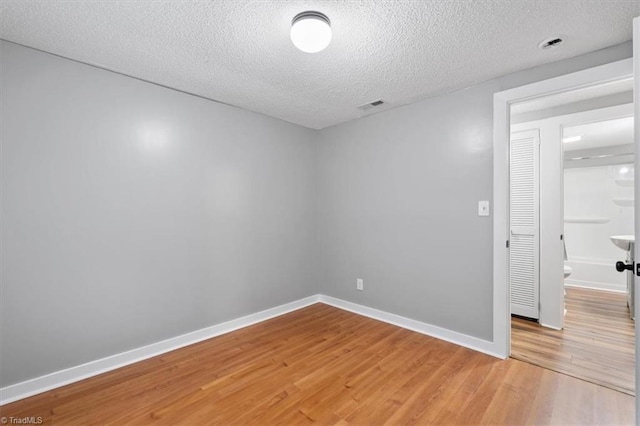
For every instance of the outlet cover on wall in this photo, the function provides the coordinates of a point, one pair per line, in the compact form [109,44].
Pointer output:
[359,284]
[483,208]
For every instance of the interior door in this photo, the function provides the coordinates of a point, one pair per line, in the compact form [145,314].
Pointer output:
[524,217]
[636,103]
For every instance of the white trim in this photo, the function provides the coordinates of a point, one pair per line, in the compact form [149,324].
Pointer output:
[596,274]
[93,368]
[550,326]
[501,298]
[501,107]
[454,337]
[636,137]
[594,285]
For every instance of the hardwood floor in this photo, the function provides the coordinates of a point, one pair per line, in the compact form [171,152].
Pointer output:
[325,365]
[597,343]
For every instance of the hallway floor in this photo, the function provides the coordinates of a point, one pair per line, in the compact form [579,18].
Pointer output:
[596,345]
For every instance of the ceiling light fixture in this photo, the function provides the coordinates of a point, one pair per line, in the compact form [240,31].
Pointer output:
[572,139]
[311,31]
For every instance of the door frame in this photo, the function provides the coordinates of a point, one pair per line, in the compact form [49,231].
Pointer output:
[551,202]
[502,101]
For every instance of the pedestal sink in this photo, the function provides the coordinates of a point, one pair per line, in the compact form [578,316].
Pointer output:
[623,241]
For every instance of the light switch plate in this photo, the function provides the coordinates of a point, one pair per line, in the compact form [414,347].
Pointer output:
[483,208]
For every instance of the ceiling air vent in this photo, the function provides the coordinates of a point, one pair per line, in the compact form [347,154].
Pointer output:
[550,43]
[370,105]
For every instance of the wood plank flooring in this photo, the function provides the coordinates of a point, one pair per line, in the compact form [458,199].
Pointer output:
[328,366]
[597,343]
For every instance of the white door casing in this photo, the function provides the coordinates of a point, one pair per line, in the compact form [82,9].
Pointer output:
[636,138]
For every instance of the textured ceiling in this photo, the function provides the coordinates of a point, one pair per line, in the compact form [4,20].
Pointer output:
[239,52]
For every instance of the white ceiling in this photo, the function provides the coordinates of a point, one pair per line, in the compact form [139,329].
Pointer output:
[239,52]
[600,134]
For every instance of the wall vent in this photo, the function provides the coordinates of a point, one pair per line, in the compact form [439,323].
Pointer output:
[370,105]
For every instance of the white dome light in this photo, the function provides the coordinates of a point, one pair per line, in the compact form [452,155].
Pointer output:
[311,31]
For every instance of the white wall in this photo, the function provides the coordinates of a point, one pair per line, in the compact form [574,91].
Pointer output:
[589,193]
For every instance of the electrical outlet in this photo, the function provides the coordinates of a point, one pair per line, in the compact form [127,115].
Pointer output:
[483,208]
[359,284]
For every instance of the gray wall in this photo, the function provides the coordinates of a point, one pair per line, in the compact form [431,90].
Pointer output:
[398,195]
[132,213]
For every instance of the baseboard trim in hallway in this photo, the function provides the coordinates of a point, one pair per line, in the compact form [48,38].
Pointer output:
[70,375]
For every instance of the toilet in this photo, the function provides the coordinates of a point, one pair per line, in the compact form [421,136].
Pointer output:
[567,270]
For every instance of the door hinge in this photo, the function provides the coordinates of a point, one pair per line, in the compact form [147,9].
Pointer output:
[507,243]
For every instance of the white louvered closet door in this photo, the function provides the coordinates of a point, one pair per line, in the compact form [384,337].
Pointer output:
[524,253]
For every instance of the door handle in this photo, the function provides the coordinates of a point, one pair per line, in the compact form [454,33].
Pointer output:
[621,266]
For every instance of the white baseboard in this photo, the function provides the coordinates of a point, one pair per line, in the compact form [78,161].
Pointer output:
[551,326]
[93,368]
[459,339]
[595,285]
[597,274]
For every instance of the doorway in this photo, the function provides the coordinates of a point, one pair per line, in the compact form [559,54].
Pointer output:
[582,191]
[502,103]
[501,231]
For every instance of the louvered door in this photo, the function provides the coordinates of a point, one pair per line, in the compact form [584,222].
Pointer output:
[524,253]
